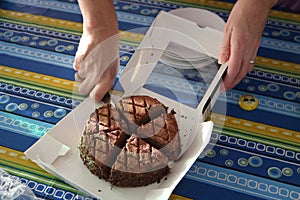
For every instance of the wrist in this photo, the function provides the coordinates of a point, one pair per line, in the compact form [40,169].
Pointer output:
[100,29]
[99,17]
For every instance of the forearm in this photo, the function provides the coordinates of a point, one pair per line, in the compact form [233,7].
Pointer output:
[255,12]
[266,4]
[99,16]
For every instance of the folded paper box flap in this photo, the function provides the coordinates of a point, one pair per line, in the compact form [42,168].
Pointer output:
[202,18]
[51,150]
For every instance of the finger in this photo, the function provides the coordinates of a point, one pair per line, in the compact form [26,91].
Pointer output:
[234,67]
[78,78]
[108,76]
[90,79]
[87,85]
[77,61]
[225,48]
[100,90]
[247,64]
[106,83]
[242,73]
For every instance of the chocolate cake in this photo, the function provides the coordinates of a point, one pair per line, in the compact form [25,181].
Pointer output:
[138,164]
[131,144]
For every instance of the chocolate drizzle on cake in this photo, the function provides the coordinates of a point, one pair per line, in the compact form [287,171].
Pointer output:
[130,145]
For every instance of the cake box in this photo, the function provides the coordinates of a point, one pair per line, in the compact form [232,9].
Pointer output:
[178,44]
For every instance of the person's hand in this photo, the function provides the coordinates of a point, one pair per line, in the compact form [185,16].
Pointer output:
[97,63]
[242,35]
[97,56]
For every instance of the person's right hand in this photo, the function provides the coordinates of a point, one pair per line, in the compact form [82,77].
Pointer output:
[97,62]
[242,36]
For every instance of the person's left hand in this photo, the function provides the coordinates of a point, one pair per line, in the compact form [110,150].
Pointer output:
[242,35]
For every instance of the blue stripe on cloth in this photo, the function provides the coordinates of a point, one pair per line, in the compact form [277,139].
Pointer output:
[38,55]
[283,24]
[254,163]
[134,18]
[273,117]
[15,128]
[23,125]
[132,27]
[275,78]
[32,30]
[48,12]
[39,95]
[140,9]
[11,139]
[31,108]
[241,182]
[197,190]
[290,35]
[38,41]
[289,51]
[166,5]
[38,67]
[255,147]
[263,87]
[58,10]
[46,4]
[278,54]
[69,1]
[266,104]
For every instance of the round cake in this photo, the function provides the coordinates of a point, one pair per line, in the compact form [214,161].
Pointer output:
[130,144]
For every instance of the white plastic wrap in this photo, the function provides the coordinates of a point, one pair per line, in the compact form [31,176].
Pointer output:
[11,188]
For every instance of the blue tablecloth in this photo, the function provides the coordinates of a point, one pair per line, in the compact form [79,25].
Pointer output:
[257,153]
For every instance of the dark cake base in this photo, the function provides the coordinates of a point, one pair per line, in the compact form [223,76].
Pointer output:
[121,179]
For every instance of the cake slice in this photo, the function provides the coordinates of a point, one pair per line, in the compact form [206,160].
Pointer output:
[140,109]
[102,140]
[104,118]
[162,133]
[99,151]
[138,164]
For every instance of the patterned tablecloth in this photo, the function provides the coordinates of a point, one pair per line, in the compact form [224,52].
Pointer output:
[257,153]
